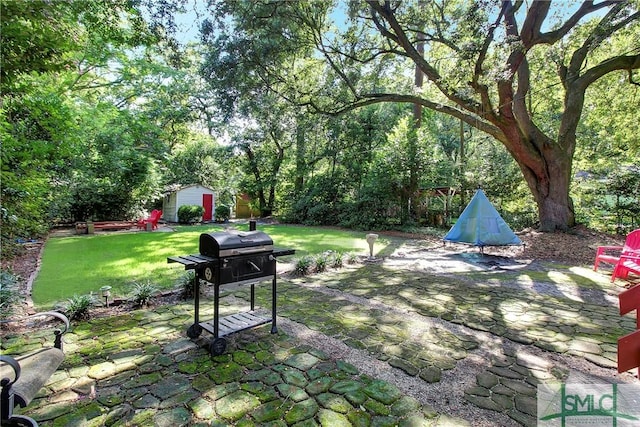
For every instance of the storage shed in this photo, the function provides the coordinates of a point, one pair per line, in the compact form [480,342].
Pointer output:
[188,195]
[244,208]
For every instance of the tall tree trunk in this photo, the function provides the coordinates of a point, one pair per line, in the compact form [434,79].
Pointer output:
[461,160]
[301,159]
[551,193]
[409,195]
[546,166]
[267,209]
[253,165]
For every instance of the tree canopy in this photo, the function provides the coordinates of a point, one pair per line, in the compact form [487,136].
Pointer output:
[337,113]
[481,61]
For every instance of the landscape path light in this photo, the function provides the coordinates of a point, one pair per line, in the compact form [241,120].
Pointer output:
[105,291]
[371,238]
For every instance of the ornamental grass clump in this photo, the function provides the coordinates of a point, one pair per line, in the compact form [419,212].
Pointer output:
[77,307]
[335,259]
[186,287]
[352,258]
[142,293]
[302,266]
[321,262]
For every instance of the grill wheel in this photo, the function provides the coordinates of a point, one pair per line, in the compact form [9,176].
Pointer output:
[194,331]
[217,346]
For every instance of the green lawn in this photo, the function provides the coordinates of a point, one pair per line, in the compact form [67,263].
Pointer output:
[83,264]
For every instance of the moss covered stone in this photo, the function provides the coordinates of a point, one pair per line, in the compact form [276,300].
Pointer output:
[243,358]
[376,407]
[302,361]
[170,386]
[346,386]
[330,418]
[270,411]
[226,372]
[334,402]
[143,380]
[236,405]
[202,408]
[319,385]
[175,417]
[383,392]
[301,411]
[295,377]
[292,392]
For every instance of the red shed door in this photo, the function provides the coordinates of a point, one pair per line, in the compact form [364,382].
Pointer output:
[207,204]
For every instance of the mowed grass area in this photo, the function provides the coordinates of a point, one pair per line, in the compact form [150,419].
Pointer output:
[81,265]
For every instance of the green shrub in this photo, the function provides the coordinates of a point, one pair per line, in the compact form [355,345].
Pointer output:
[302,266]
[352,258]
[142,293]
[9,294]
[77,307]
[189,214]
[321,262]
[335,259]
[223,213]
[186,285]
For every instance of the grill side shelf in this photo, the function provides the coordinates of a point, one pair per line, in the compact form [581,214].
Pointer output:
[283,252]
[191,262]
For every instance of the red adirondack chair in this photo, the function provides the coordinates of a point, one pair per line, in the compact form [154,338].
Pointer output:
[153,220]
[612,254]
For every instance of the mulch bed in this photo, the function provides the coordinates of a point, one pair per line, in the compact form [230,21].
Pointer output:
[577,247]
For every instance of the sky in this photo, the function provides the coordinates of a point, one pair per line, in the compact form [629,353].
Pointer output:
[189,23]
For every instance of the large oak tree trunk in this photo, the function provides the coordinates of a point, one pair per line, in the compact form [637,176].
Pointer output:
[546,168]
[551,193]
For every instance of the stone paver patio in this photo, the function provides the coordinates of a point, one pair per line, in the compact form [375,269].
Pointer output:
[408,341]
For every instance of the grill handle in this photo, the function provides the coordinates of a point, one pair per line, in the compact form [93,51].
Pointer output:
[254,267]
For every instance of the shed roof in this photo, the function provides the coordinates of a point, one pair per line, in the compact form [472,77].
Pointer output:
[174,188]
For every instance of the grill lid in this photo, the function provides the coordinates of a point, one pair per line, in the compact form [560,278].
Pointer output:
[232,243]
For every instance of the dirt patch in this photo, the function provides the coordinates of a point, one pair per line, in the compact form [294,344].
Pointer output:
[577,247]
[25,267]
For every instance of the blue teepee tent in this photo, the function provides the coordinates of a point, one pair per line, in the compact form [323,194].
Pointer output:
[480,224]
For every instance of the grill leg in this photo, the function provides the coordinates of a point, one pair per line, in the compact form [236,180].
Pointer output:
[196,299]
[274,327]
[253,296]
[216,308]
[195,330]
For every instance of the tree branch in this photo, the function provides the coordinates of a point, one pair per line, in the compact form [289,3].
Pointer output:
[403,41]
[630,62]
[483,90]
[599,33]
[536,15]
[551,37]
[377,98]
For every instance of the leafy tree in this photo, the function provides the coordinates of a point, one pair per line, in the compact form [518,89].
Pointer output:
[265,144]
[333,161]
[478,62]
[54,65]
[36,37]
[201,160]
[111,179]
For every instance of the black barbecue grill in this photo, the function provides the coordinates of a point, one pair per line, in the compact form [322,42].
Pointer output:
[232,257]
